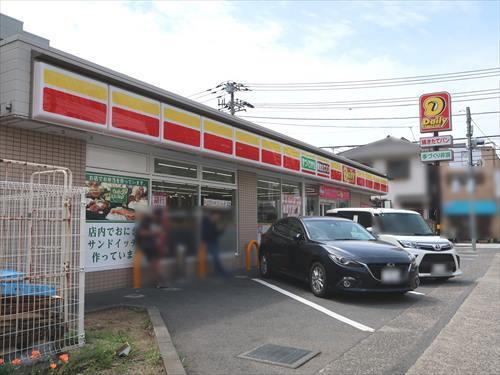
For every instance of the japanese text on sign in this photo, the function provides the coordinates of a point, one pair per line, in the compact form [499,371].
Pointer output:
[443,140]
[430,156]
[109,245]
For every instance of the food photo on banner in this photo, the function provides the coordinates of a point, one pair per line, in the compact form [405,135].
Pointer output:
[111,205]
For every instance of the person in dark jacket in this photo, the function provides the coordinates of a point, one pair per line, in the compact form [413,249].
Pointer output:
[210,235]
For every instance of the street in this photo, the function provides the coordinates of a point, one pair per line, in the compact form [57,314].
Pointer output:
[213,322]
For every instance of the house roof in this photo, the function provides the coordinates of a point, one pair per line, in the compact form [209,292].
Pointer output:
[388,147]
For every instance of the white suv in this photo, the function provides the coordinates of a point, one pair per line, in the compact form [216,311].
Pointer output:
[435,256]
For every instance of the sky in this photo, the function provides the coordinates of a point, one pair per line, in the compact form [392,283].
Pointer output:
[189,46]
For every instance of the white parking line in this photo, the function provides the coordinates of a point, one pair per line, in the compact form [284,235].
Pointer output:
[416,293]
[315,306]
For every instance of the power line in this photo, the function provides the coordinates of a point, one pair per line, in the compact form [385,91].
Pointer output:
[356,87]
[408,78]
[353,119]
[338,126]
[389,100]
[350,107]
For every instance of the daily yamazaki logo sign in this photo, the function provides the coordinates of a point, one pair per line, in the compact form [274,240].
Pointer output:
[435,112]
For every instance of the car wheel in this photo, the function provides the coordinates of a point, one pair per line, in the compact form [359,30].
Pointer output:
[318,280]
[264,266]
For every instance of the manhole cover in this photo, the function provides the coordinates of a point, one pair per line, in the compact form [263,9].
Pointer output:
[280,355]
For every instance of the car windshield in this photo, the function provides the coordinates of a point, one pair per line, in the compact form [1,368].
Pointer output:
[404,224]
[336,230]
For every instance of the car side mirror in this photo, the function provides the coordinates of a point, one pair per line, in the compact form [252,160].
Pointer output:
[299,237]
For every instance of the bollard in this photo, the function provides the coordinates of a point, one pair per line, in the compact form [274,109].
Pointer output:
[202,261]
[248,253]
[137,268]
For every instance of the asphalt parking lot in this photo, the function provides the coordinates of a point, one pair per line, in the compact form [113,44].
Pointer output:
[212,322]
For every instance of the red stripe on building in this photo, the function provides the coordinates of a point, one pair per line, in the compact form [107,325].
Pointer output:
[247,151]
[360,181]
[384,188]
[376,186]
[270,157]
[135,122]
[369,184]
[216,143]
[309,172]
[336,175]
[291,163]
[69,105]
[181,134]
[323,175]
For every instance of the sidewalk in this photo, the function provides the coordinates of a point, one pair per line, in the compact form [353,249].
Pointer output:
[495,246]
[470,343]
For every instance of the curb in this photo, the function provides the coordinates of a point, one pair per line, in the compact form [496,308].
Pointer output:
[171,361]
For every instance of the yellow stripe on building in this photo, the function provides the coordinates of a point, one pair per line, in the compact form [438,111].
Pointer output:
[271,146]
[217,129]
[309,155]
[335,165]
[74,84]
[292,152]
[181,118]
[247,138]
[135,103]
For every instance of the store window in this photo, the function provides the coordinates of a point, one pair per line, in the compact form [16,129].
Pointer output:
[218,175]
[175,168]
[312,200]
[174,196]
[268,203]
[291,198]
[219,207]
[180,202]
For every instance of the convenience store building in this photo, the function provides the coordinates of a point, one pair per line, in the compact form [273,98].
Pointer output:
[133,144]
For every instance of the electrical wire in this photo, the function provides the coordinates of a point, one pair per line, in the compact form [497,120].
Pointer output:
[408,78]
[336,126]
[386,100]
[351,107]
[355,118]
[356,87]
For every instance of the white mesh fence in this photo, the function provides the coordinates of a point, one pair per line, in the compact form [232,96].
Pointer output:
[41,274]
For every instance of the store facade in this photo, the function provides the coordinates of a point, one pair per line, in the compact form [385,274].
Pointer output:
[145,147]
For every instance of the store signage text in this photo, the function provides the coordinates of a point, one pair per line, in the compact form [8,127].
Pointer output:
[330,192]
[431,156]
[349,174]
[109,245]
[441,140]
[308,164]
[435,112]
[323,168]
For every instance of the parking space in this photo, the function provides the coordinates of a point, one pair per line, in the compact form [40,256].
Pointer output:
[214,321]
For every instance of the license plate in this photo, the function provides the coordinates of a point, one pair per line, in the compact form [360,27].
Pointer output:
[438,269]
[391,276]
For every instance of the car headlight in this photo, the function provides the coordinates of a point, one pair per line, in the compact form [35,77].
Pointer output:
[342,261]
[409,244]
[413,261]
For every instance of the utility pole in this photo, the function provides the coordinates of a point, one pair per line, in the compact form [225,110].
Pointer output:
[234,105]
[471,183]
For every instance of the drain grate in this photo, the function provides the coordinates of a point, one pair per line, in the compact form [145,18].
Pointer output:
[286,356]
